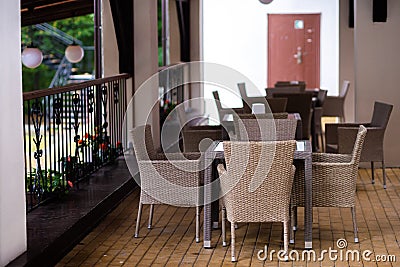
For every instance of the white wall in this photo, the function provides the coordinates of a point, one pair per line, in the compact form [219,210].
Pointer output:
[12,187]
[346,58]
[110,47]
[377,69]
[235,34]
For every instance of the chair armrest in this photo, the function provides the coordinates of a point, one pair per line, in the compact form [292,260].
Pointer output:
[202,128]
[331,132]
[373,142]
[178,156]
[331,158]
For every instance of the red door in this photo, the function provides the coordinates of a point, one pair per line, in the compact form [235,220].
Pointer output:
[293,48]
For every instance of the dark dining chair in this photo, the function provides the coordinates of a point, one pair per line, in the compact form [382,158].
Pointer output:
[300,103]
[317,113]
[276,104]
[340,137]
[334,105]
[271,91]
[300,84]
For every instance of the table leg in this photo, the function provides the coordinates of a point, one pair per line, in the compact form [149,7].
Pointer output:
[308,212]
[207,206]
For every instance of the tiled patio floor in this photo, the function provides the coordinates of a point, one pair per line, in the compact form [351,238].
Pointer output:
[171,241]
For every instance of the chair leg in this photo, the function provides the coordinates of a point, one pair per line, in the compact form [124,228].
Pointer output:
[353,215]
[197,224]
[291,230]
[286,239]
[138,220]
[384,174]
[223,226]
[150,216]
[233,242]
[372,172]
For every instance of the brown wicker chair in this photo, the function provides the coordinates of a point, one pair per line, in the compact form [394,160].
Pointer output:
[340,136]
[300,84]
[248,101]
[262,127]
[197,138]
[159,171]
[300,103]
[277,105]
[224,111]
[271,91]
[317,113]
[254,192]
[334,105]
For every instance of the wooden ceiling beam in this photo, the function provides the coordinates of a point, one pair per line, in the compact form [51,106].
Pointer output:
[53,10]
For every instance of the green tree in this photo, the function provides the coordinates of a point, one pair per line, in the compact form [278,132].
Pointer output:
[81,28]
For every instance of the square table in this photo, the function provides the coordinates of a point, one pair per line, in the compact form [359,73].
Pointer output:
[303,153]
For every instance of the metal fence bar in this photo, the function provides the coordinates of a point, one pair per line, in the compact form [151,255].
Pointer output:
[69,133]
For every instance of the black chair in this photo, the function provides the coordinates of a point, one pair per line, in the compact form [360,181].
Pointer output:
[300,103]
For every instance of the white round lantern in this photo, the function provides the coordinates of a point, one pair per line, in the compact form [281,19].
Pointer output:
[74,53]
[32,57]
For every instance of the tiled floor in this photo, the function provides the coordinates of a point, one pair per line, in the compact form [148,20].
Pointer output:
[171,241]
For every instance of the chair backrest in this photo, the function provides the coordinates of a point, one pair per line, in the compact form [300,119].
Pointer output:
[143,142]
[300,103]
[276,104]
[321,97]
[217,100]
[242,90]
[358,145]
[300,84]
[344,89]
[262,127]
[271,91]
[381,114]
[258,181]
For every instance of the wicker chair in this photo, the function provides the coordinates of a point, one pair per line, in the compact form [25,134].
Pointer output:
[334,105]
[277,105]
[334,180]
[262,127]
[300,84]
[300,103]
[317,113]
[158,172]
[224,111]
[197,138]
[253,192]
[340,136]
[271,91]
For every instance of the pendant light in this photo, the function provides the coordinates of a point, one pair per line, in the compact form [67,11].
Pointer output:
[31,57]
[74,52]
[266,1]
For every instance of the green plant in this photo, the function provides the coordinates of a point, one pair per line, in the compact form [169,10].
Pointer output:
[47,182]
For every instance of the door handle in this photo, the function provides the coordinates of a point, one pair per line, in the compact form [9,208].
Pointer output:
[299,55]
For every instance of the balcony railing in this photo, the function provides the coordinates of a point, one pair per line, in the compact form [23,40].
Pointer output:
[70,132]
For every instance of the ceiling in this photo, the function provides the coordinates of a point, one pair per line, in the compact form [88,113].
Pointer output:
[39,11]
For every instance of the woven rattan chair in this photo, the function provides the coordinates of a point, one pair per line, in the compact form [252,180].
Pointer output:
[158,171]
[300,103]
[334,105]
[197,138]
[318,110]
[224,111]
[262,127]
[277,105]
[340,136]
[334,180]
[300,84]
[253,191]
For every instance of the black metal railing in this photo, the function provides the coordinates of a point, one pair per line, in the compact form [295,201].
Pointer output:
[70,132]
